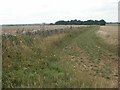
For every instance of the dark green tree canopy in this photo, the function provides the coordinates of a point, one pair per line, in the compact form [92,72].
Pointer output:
[79,22]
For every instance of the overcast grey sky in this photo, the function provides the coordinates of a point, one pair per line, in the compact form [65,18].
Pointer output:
[49,11]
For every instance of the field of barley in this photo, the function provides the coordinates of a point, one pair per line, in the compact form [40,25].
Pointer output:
[76,57]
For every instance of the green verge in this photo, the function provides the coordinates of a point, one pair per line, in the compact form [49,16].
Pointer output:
[26,64]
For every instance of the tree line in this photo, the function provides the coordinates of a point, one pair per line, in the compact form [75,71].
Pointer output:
[79,22]
[62,22]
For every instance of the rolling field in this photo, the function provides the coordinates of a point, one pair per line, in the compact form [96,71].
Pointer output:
[81,57]
[13,29]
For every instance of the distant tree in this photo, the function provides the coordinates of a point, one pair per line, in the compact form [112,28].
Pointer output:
[102,22]
[51,24]
[61,23]
[97,22]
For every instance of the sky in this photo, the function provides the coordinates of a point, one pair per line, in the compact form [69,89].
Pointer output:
[50,11]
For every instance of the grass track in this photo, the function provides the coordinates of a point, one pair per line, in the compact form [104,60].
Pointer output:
[54,61]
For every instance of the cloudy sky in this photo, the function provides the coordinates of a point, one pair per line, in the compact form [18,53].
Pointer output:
[50,11]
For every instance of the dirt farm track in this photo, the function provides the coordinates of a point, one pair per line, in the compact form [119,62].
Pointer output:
[50,56]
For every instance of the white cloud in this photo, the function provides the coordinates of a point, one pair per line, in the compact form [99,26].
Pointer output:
[38,11]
